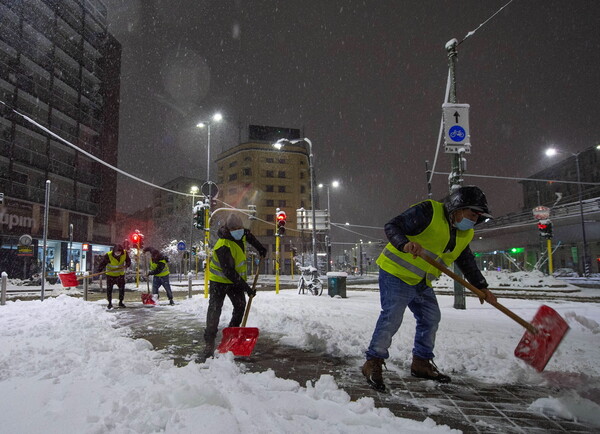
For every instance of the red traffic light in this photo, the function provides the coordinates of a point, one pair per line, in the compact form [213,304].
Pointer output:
[542,226]
[280,218]
[135,238]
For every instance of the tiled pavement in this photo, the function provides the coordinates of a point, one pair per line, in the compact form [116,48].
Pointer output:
[463,404]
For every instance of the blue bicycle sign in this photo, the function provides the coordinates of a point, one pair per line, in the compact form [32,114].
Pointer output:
[457,133]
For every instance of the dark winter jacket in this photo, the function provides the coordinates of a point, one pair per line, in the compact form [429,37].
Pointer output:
[226,259]
[414,220]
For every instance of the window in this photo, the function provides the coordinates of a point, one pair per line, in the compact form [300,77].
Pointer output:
[270,217]
[270,232]
[233,177]
[301,175]
[281,204]
[302,189]
[282,161]
[270,160]
[281,174]
[281,189]
[246,171]
[270,202]
[270,188]
[270,174]
[233,164]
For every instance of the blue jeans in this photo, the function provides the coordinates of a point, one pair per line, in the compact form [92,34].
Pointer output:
[163,281]
[395,296]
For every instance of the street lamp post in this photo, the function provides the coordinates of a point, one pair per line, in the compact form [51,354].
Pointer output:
[279,144]
[551,152]
[334,184]
[216,118]
[194,190]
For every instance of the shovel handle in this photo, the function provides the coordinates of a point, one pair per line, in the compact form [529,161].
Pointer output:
[250,298]
[90,275]
[479,293]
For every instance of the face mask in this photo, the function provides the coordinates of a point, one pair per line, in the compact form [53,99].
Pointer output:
[237,234]
[465,224]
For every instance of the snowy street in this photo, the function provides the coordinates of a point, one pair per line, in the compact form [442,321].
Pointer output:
[72,365]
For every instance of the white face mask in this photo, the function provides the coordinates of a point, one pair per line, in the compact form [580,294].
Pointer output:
[465,224]
[237,234]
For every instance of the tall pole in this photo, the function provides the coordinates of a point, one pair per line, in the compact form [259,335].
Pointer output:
[312,201]
[192,230]
[208,155]
[586,265]
[45,235]
[456,175]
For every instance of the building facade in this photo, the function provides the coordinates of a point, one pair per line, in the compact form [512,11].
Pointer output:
[59,67]
[514,241]
[256,173]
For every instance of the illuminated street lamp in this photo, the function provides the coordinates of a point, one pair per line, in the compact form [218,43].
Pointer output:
[216,118]
[550,152]
[279,144]
[334,184]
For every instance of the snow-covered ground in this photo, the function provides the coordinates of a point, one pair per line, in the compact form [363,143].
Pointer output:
[67,365]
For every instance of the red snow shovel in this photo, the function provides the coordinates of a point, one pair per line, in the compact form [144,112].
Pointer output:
[241,340]
[69,279]
[147,297]
[543,334]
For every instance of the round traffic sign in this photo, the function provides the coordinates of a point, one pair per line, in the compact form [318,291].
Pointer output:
[181,245]
[209,188]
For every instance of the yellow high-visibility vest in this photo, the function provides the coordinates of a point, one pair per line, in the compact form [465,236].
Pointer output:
[434,240]
[239,258]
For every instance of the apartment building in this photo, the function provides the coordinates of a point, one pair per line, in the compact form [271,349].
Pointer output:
[60,67]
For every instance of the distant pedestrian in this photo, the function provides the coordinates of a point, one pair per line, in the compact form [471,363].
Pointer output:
[442,231]
[159,268]
[227,274]
[115,262]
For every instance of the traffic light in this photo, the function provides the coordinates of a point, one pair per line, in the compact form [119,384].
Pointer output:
[137,239]
[280,218]
[199,217]
[545,228]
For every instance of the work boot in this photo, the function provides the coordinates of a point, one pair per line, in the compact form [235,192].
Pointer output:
[171,302]
[121,304]
[372,370]
[109,306]
[209,350]
[425,368]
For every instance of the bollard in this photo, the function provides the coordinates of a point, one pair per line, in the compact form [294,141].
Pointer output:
[190,284]
[86,281]
[3,290]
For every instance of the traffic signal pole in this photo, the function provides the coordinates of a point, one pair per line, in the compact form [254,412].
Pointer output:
[455,180]
[206,247]
[277,243]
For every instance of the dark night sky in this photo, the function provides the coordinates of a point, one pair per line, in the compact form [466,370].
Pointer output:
[366,81]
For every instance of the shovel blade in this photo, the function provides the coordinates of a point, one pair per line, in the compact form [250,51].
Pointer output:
[68,280]
[147,299]
[537,349]
[239,340]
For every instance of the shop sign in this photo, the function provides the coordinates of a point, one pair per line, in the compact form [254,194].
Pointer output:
[25,251]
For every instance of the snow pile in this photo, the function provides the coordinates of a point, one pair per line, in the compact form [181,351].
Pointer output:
[66,367]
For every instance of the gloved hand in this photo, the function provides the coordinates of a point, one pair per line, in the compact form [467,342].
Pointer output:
[248,290]
[489,296]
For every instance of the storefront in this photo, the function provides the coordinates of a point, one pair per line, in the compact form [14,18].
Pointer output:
[21,241]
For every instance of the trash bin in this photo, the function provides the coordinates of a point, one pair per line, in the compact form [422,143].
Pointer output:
[336,284]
